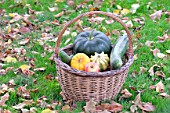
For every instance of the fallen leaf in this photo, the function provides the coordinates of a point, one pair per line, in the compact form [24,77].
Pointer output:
[164,95]
[160,55]
[149,43]
[2,71]
[125,11]
[159,87]
[155,51]
[24,30]
[147,107]
[66,108]
[142,70]
[125,94]
[59,14]
[52,9]
[23,92]
[116,12]
[137,100]
[119,7]
[90,106]
[109,21]
[134,7]
[164,37]
[156,15]
[24,42]
[74,34]
[10,59]
[25,110]
[168,51]
[133,108]
[33,110]
[24,67]
[19,106]
[115,107]
[160,74]
[40,69]
[47,111]
[153,69]
[4,98]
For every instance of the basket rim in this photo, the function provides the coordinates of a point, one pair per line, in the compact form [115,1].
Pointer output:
[81,73]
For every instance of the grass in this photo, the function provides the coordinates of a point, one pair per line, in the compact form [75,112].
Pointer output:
[50,88]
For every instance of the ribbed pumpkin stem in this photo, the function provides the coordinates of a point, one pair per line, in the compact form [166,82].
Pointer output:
[91,35]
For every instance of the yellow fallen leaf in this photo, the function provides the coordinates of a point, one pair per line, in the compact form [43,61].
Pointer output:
[47,111]
[11,15]
[8,29]
[125,11]
[10,59]
[59,1]
[24,67]
[116,12]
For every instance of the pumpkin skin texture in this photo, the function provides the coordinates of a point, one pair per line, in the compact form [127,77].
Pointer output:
[89,42]
[79,61]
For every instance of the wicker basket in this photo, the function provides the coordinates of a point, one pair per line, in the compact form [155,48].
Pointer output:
[80,85]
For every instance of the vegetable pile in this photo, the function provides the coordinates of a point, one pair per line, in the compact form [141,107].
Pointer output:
[93,52]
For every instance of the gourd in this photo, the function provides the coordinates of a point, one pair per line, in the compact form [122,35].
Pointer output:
[101,59]
[79,61]
[89,42]
[65,57]
[118,52]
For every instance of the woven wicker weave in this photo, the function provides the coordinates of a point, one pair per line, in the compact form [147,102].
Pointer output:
[80,85]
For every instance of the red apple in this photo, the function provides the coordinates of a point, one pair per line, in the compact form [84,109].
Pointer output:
[92,67]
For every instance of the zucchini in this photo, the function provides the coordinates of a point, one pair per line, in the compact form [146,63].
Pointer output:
[65,57]
[118,52]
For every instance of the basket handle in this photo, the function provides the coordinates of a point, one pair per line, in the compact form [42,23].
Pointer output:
[130,50]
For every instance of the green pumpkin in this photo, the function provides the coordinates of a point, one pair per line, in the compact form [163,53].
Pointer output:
[89,42]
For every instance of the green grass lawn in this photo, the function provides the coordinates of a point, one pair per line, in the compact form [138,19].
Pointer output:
[44,26]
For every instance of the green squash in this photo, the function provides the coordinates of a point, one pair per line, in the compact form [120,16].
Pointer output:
[89,42]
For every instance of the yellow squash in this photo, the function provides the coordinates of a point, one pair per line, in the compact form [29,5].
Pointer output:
[79,61]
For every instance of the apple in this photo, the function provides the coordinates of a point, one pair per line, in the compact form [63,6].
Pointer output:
[92,67]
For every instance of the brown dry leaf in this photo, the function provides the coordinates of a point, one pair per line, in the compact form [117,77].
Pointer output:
[143,70]
[2,71]
[147,107]
[24,30]
[23,92]
[156,15]
[19,106]
[4,98]
[155,51]
[133,108]
[109,21]
[159,87]
[90,106]
[164,95]
[24,42]
[11,83]
[160,74]
[115,107]
[116,32]
[164,37]
[6,111]
[129,24]
[59,14]
[125,94]
[137,100]
[153,69]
